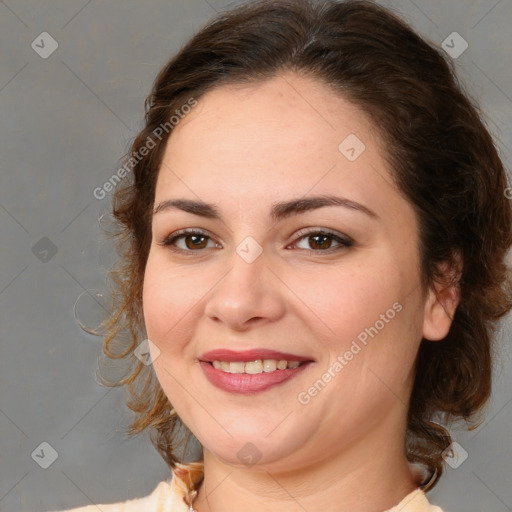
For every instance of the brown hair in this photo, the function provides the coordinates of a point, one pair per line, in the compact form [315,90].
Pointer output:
[443,159]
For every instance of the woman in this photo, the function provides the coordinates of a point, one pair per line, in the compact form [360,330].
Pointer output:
[314,241]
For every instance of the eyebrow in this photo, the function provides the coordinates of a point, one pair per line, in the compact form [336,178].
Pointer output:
[279,211]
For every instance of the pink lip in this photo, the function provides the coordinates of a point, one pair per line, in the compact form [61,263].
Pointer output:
[244,383]
[249,355]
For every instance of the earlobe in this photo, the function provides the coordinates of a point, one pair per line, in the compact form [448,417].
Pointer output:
[440,309]
[441,304]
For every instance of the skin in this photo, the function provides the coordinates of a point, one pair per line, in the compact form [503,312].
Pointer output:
[243,148]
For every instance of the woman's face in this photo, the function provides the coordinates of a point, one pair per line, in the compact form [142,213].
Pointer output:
[280,268]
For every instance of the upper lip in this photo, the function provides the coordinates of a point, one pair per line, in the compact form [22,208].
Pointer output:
[224,354]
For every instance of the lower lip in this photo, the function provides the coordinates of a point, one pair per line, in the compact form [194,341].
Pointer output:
[245,383]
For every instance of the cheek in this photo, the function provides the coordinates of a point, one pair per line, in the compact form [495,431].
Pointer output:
[368,320]
[173,301]
[347,302]
[165,301]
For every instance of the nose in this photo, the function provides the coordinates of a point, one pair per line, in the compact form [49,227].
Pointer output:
[249,294]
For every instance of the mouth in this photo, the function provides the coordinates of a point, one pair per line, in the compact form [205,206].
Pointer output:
[251,371]
[255,367]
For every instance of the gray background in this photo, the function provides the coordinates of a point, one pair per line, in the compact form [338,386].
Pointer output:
[65,122]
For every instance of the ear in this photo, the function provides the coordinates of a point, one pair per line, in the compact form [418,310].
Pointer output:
[442,301]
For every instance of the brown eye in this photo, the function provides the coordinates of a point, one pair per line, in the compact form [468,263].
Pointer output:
[194,241]
[323,241]
[320,241]
[188,241]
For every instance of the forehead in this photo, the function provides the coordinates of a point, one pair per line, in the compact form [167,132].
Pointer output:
[308,108]
[282,137]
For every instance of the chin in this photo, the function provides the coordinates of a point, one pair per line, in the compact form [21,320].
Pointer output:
[258,451]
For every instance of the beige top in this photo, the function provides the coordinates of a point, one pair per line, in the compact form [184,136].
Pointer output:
[168,496]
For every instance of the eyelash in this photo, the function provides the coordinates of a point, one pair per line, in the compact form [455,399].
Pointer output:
[344,241]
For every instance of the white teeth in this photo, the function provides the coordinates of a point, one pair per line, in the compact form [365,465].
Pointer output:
[269,365]
[255,367]
[236,367]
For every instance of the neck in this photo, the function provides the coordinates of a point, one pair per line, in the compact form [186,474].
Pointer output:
[367,476]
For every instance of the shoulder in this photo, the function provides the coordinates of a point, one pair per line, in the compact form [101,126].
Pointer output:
[150,503]
[167,496]
[416,501]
